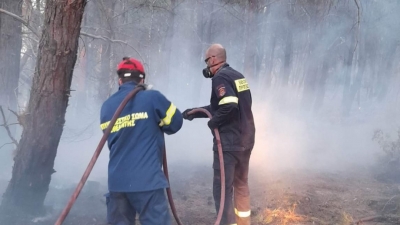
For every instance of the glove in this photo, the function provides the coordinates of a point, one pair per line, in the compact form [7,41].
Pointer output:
[212,125]
[186,116]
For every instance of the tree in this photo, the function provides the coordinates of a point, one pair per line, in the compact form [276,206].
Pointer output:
[44,117]
[250,54]
[10,45]
[10,51]
[107,9]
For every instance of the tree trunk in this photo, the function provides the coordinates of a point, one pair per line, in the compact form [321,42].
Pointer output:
[204,29]
[10,53]
[167,53]
[309,87]
[288,55]
[105,72]
[269,64]
[385,75]
[45,116]
[348,64]
[321,87]
[355,86]
[250,52]
[89,65]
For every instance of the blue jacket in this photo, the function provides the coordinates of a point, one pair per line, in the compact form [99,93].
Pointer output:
[137,139]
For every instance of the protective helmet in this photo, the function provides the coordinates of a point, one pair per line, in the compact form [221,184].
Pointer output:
[130,67]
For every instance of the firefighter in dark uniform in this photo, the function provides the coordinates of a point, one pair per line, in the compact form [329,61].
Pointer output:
[136,181]
[230,106]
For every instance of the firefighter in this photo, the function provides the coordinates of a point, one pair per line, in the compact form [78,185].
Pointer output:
[136,181]
[230,106]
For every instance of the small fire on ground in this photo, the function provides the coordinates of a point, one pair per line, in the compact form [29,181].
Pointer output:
[281,216]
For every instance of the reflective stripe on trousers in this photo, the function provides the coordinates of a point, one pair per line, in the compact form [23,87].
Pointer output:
[242,214]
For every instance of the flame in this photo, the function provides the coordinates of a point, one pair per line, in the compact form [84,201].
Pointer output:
[283,216]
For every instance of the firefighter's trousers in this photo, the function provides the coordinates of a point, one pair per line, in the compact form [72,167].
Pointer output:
[152,207]
[237,195]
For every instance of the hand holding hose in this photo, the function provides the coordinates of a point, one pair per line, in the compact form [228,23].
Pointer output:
[187,115]
[190,113]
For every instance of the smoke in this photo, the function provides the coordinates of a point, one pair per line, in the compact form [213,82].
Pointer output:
[289,136]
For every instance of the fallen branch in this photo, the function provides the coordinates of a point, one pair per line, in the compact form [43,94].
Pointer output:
[6,126]
[368,219]
[388,202]
[381,218]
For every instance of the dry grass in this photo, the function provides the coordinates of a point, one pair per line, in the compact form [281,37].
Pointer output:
[346,219]
[282,216]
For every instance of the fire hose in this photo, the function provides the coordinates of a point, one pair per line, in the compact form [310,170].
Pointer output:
[103,140]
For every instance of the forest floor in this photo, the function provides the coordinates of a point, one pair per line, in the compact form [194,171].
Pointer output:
[284,197]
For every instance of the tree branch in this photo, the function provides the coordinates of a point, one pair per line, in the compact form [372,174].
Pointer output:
[6,126]
[24,22]
[112,41]
[13,112]
[82,33]
[5,144]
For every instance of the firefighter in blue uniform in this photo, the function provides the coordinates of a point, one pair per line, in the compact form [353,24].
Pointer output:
[136,181]
[230,106]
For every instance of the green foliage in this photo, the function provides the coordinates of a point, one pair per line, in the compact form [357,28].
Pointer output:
[389,162]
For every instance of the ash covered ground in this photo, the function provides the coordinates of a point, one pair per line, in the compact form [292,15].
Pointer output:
[278,197]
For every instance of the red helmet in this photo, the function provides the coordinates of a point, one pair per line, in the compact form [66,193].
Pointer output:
[129,67]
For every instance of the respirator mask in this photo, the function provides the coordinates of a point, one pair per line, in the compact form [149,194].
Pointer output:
[207,71]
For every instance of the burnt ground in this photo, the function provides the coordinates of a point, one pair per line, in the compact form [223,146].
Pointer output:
[284,197]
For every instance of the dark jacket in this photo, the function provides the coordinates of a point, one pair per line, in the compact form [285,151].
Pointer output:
[136,141]
[230,106]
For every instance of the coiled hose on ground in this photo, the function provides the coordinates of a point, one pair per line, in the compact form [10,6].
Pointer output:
[103,140]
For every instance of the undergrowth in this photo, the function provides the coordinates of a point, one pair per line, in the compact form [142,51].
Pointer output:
[388,163]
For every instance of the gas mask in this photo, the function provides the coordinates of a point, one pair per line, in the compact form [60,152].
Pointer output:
[207,71]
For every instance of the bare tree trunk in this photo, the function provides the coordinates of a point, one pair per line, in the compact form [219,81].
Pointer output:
[386,73]
[260,42]
[356,84]
[45,115]
[10,53]
[107,6]
[320,89]
[105,73]
[348,64]
[205,32]
[167,49]
[311,72]
[88,62]
[250,52]
[309,87]
[269,64]
[287,62]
